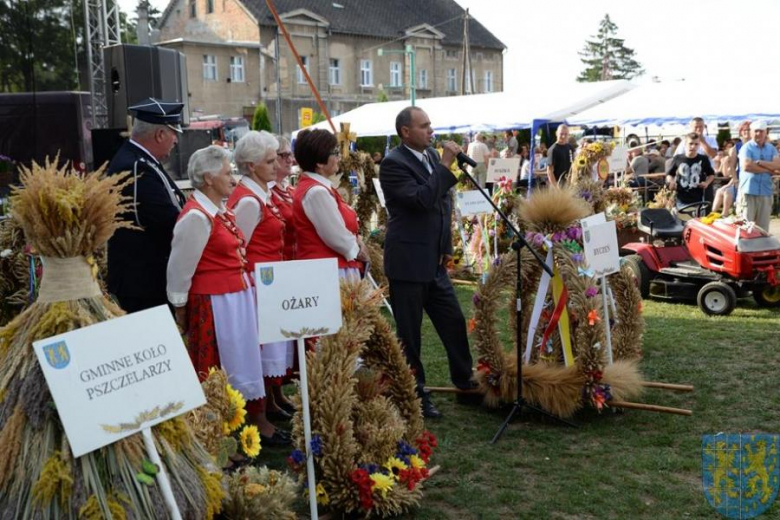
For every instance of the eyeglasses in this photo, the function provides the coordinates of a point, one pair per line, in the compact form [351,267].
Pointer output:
[284,155]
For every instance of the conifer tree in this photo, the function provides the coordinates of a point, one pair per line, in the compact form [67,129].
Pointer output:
[261,121]
[606,57]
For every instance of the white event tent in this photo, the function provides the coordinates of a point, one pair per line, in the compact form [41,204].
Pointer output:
[535,101]
[662,104]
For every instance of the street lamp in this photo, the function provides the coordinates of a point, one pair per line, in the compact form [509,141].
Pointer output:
[409,51]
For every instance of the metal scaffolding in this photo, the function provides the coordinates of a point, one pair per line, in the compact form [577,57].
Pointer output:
[101,19]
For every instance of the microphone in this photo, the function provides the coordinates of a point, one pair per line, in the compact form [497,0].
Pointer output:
[465,159]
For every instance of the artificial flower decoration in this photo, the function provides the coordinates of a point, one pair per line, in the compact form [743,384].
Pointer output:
[322,495]
[382,483]
[593,317]
[250,441]
[237,409]
[591,291]
[416,462]
[395,465]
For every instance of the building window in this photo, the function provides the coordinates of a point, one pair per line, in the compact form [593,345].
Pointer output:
[423,79]
[193,9]
[480,57]
[209,6]
[451,85]
[237,69]
[488,81]
[489,57]
[335,72]
[451,55]
[209,67]
[299,72]
[366,74]
[395,74]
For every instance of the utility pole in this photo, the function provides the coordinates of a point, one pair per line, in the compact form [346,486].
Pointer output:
[101,21]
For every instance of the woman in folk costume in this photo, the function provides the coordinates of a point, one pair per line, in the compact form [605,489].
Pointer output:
[282,194]
[325,226]
[264,226]
[208,279]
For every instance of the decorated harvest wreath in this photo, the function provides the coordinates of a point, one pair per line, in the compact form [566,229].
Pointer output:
[370,450]
[66,217]
[553,380]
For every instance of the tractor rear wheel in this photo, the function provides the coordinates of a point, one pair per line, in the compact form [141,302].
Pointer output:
[641,273]
[717,299]
[767,296]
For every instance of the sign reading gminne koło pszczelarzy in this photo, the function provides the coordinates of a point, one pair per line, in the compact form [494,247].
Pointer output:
[115,378]
[297,299]
[472,202]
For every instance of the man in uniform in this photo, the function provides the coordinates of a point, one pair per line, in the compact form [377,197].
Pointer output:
[138,257]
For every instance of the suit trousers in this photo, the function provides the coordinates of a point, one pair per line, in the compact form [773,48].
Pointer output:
[438,299]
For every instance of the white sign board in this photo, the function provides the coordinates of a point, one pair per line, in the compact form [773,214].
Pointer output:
[297,299]
[498,168]
[618,159]
[115,378]
[593,220]
[472,203]
[379,192]
[601,248]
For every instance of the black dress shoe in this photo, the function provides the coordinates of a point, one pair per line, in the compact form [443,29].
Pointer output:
[277,439]
[287,407]
[429,410]
[468,385]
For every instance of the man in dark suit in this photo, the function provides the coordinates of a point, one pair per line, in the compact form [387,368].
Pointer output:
[137,258]
[418,245]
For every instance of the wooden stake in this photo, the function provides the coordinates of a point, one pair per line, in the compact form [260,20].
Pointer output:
[668,386]
[649,407]
[452,390]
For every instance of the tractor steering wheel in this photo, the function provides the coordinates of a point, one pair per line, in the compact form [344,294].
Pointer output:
[695,209]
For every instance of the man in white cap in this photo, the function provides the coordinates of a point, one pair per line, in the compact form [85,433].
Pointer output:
[758,161]
[138,258]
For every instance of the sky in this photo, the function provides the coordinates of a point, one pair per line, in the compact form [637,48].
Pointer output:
[673,39]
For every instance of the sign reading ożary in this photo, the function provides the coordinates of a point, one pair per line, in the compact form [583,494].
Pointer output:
[297,299]
[115,378]
[498,168]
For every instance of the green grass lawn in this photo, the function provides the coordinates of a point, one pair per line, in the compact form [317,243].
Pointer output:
[614,465]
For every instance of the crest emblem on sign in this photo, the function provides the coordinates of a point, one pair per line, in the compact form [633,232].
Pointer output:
[267,275]
[740,473]
[57,354]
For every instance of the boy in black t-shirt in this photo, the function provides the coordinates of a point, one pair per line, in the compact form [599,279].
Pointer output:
[690,174]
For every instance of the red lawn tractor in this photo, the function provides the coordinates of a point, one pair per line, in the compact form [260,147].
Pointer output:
[712,263]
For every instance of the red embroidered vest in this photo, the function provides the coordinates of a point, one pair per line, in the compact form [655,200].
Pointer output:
[283,198]
[267,241]
[223,263]
[309,244]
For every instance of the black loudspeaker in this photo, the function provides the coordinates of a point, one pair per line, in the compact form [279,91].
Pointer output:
[137,72]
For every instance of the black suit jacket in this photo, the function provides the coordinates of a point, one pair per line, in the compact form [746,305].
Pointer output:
[419,228]
[138,258]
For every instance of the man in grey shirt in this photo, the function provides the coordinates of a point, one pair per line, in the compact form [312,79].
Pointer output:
[638,167]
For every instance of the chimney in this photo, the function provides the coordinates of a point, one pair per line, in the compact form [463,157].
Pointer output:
[142,28]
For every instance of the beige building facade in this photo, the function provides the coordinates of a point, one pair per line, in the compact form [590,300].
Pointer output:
[237,58]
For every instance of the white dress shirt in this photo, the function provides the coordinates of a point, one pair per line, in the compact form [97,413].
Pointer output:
[249,212]
[322,210]
[190,236]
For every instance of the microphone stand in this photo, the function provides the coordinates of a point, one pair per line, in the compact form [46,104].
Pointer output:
[517,245]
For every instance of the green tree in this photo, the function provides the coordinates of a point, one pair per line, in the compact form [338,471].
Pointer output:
[261,121]
[317,117]
[606,56]
[37,52]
